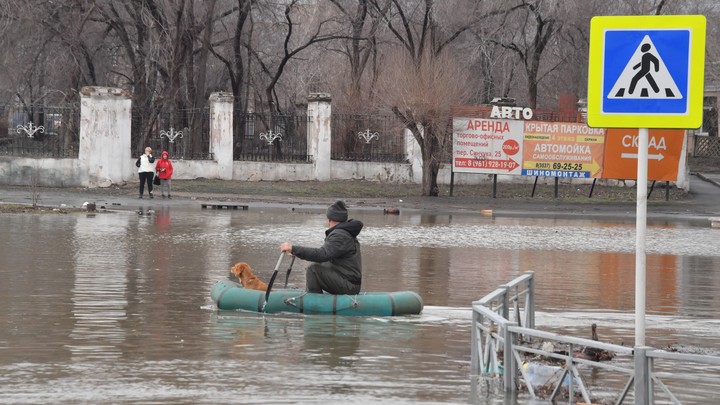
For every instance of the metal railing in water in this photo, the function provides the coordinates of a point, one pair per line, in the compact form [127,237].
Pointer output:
[499,341]
[519,295]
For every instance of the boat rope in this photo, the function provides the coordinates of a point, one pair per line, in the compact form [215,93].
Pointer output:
[291,301]
[354,300]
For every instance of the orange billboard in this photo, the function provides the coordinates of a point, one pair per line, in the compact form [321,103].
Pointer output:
[665,146]
[562,149]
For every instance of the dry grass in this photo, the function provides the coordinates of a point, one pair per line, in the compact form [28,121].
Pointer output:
[325,189]
[369,189]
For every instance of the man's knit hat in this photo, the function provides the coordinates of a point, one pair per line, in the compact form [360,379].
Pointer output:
[337,212]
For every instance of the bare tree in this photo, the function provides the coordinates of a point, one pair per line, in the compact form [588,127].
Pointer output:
[536,25]
[422,38]
[496,66]
[359,48]
[302,27]
[190,41]
[421,95]
[73,34]
[137,66]
[162,55]
[229,45]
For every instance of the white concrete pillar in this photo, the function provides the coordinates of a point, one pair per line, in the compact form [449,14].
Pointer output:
[318,134]
[221,133]
[104,151]
[414,156]
[683,179]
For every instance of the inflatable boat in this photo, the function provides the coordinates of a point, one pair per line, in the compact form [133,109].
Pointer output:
[228,294]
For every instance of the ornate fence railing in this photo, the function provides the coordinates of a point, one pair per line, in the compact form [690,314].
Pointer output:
[40,130]
[367,138]
[271,137]
[184,133]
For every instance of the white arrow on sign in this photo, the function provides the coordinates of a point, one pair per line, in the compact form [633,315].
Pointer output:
[657,157]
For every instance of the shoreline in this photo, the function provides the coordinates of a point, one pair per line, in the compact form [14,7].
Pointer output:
[701,202]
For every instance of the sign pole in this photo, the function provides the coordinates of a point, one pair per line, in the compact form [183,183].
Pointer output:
[641,226]
[650,76]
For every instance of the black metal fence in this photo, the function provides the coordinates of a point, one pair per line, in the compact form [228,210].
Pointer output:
[185,133]
[371,138]
[40,130]
[707,146]
[270,137]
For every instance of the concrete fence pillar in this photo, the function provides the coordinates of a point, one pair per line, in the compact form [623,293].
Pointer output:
[221,133]
[318,134]
[104,151]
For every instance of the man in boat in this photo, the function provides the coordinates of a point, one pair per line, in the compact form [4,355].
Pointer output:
[337,267]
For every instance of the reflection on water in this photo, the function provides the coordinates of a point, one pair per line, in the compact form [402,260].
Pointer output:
[117,305]
[98,295]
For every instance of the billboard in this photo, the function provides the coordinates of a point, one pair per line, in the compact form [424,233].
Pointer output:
[482,145]
[562,149]
[665,147]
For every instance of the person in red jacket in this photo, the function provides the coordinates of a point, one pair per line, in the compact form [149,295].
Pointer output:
[164,169]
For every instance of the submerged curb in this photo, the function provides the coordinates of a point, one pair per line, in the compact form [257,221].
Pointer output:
[707,178]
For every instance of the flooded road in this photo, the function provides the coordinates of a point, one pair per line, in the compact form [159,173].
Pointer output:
[115,308]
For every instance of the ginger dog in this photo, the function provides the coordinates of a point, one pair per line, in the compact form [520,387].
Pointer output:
[244,272]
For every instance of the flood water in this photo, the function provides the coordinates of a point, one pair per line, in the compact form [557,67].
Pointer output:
[115,308]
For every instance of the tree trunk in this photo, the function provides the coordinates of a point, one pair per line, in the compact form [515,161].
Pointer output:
[429,150]
[429,180]
[431,163]
[237,78]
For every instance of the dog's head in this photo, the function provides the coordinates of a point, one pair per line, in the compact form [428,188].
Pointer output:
[241,270]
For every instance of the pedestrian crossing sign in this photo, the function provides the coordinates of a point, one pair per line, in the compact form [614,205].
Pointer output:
[646,71]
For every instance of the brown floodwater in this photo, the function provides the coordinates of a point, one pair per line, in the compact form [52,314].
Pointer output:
[115,307]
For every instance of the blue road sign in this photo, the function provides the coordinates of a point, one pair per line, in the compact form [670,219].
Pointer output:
[660,87]
[646,71]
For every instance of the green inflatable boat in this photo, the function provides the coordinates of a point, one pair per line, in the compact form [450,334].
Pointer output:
[228,294]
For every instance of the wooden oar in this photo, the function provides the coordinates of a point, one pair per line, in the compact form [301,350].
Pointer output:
[272,281]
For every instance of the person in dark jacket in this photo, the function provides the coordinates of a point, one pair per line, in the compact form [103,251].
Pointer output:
[337,267]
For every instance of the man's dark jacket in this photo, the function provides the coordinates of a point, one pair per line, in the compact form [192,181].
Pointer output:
[341,249]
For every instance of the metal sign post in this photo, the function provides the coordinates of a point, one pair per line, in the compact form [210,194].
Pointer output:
[640,229]
[645,72]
